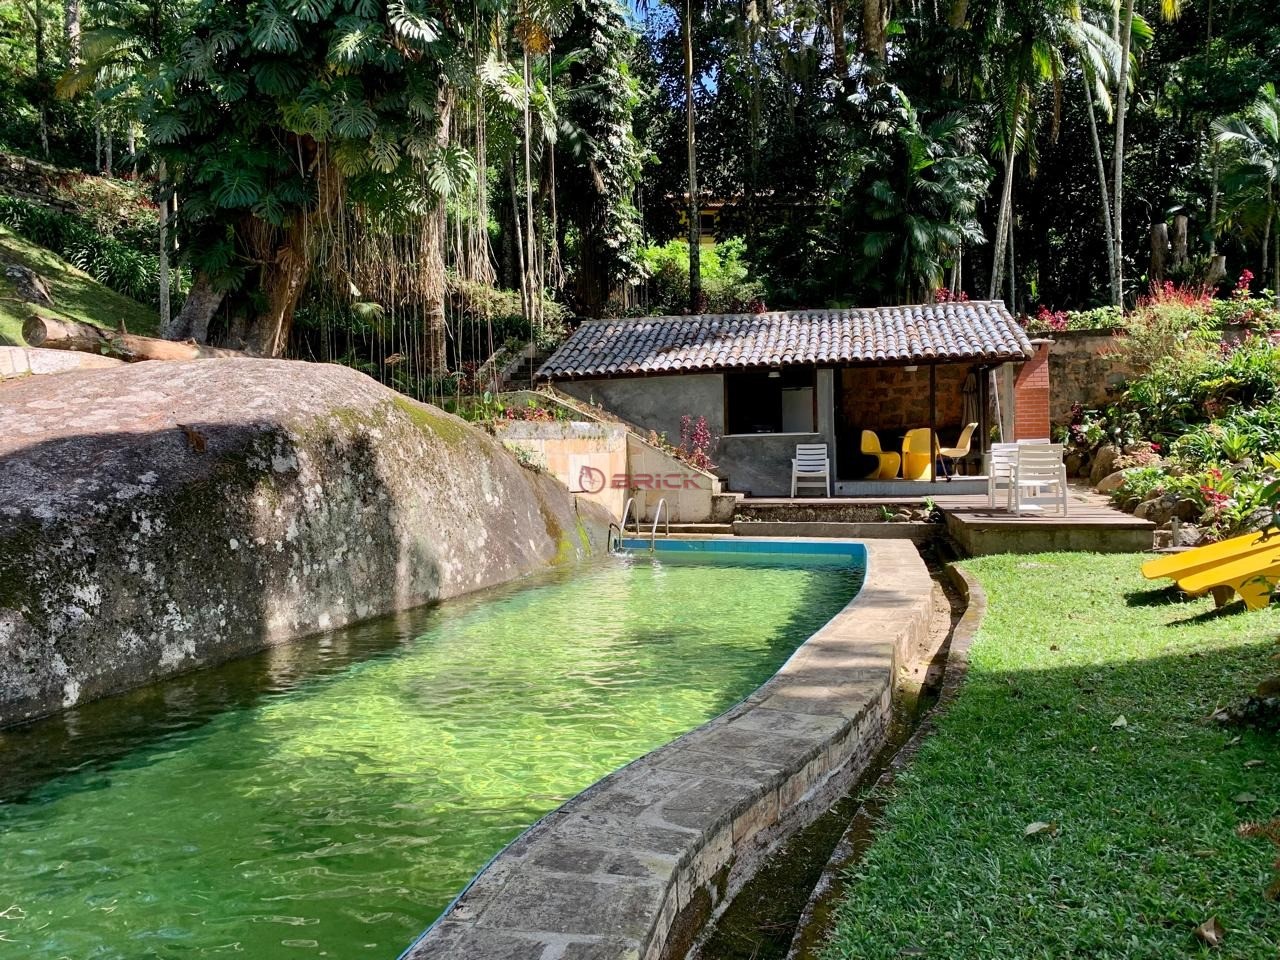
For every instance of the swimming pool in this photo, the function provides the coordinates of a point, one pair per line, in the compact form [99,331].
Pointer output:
[330,797]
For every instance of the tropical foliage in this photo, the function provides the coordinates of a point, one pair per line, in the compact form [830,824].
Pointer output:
[368,167]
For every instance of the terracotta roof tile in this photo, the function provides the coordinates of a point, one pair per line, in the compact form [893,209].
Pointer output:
[975,331]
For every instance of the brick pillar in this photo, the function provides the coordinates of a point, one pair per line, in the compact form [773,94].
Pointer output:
[1031,395]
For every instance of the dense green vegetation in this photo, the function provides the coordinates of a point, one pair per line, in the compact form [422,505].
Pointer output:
[1199,428]
[1079,798]
[380,182]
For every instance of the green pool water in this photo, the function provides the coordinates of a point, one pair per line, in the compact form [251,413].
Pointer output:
[330,797]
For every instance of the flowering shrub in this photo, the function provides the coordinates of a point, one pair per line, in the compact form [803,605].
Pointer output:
[944,295]
[1243,309]
[1056,321]
[696,442]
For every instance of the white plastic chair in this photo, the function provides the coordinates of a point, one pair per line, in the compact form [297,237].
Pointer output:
[1000,463]
[811,467]
[1038,474]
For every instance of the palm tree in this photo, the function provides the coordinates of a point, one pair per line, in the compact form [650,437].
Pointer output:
[1125,28]
[1037,37]
[694,209]
[1253,175]
[921,183]
[1099,67]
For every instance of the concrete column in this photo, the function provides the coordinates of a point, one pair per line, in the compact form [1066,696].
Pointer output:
[827,408]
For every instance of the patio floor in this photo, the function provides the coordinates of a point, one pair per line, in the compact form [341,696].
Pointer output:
[1091,524]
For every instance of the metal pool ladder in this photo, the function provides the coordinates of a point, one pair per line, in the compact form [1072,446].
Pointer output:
[657,514]
[615,546]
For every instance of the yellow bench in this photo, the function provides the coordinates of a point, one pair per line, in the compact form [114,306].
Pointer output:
[1248,565]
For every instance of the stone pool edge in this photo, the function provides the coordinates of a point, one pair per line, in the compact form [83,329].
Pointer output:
[634,866]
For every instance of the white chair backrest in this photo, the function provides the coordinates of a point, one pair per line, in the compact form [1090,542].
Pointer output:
[811,454]
[1003,457]
[1039,441]
[1039,460]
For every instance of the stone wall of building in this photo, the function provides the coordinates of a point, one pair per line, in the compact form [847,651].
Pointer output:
[656,403]
[1085,368]
[895,399]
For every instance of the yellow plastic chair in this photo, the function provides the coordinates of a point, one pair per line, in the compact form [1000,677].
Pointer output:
[1248,566]
[917,454]
[887,463]
[960,450]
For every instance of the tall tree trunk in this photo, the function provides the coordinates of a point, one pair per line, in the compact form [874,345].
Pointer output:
[530,232]
[283,276]
[839,48]
[192,321]
[1113,270]
[71,25]
[1159,251]
[1117,185]
[694,208]
[525,308]
[107,152]
[1213,204]
[437,358]
[1005,215]
[282,283]
[162,200]
[42,67]
[875,23]
[959,13]
[1013,274]
[1266,239]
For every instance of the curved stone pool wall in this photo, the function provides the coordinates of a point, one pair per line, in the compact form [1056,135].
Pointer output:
[633,867]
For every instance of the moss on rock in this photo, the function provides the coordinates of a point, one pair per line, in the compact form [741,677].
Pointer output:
[185,513]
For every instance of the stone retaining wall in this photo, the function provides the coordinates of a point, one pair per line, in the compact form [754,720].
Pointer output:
[632,868]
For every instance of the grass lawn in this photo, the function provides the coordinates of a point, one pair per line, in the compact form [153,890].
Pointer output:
[76,295]
[1146,809]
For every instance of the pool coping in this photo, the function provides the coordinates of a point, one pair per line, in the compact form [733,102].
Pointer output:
[634,866]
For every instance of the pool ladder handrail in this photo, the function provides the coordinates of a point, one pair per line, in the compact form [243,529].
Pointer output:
[626,512]
[657,514]
[622,527]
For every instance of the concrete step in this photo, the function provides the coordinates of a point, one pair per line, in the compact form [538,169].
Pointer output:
[682,530]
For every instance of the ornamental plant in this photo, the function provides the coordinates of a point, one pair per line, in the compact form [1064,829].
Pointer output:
[696,441]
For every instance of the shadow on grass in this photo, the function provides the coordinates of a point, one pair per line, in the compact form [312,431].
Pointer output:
[1232,609]
[1157,596]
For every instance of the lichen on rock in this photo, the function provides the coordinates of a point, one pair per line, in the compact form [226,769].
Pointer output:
[162,516]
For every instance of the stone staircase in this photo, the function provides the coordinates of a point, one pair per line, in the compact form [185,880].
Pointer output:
[521,378]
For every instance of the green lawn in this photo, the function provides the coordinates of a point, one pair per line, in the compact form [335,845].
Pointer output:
[1146,809]
[76,295]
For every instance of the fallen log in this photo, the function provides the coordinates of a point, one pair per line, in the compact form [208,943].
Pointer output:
[69,335]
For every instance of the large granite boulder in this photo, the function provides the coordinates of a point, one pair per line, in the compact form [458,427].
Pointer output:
[162,516]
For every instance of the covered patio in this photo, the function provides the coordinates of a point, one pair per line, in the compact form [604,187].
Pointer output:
[767,383]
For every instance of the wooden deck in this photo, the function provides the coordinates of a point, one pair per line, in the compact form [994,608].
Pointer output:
[1092,524]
